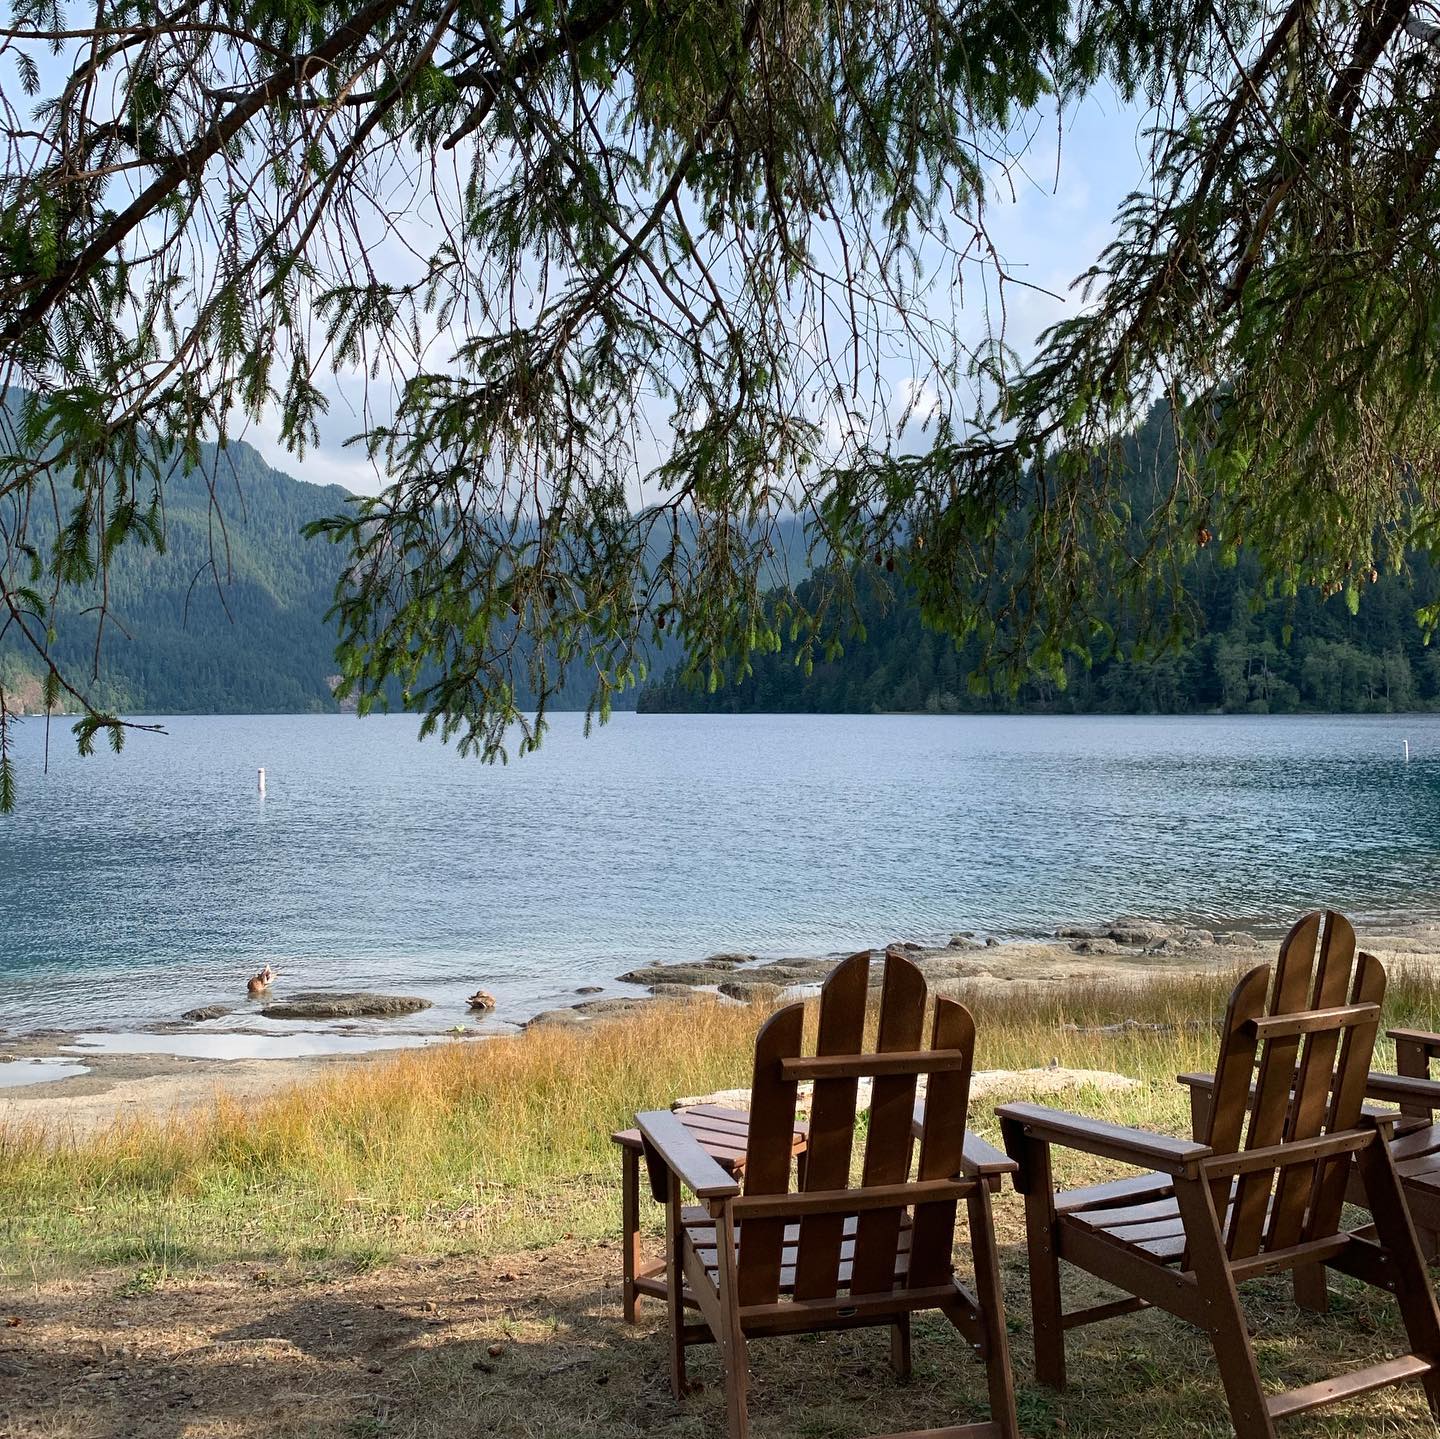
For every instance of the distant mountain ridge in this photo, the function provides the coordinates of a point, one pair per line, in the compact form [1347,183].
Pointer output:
[179,642]
[231,618]
[260,641]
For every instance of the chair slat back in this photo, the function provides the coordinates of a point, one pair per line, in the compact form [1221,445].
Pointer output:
[888,1144]
[832,1126]
[848,1245]
[1313,1050]
[947,1100]
[768,1152]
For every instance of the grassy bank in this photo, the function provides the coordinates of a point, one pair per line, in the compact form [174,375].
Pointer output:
[425,1247]
[492,1147]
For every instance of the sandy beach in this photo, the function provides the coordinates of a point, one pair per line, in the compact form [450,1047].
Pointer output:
[122,1087]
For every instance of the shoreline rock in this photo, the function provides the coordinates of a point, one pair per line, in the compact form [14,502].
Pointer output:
[341,1004]
[694,972]
[553,1018]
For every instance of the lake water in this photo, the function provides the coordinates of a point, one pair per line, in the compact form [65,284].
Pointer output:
[133,887]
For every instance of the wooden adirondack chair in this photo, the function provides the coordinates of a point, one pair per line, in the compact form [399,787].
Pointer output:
[1319,954]
[771,1259]
[1263,1195]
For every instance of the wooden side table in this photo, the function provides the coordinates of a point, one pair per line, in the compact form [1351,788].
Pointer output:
[723,1133]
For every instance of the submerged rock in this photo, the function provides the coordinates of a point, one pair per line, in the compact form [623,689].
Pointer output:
[1082,931]
[207,1011]
[793,971]
[353,1005]
[1138,932]
[701,971]
[590,989]
[664,976]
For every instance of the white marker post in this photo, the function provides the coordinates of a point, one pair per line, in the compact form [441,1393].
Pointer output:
[261,784]
[1407,761]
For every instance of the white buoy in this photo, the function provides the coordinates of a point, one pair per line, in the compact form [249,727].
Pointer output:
[1407,761]
[261,784]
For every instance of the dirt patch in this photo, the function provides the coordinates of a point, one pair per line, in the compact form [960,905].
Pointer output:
[532,1345]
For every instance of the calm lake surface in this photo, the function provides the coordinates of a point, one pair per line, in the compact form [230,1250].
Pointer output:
[133,887]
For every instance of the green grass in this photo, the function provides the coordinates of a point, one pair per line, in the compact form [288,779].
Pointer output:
[487,1148]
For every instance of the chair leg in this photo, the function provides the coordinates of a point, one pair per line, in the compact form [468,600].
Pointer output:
[999,1377]
[1040,1225]
[1310,1290]
[675,1289]
[900,1347]
[1395,1230]
[737,1392]
[629,1229]
[733,1351]
[1222,1317]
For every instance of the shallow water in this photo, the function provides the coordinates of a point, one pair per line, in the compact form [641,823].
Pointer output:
[134,887]
[218,1045]
[19,1072]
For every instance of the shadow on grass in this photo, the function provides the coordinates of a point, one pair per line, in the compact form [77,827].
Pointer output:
[533,1346]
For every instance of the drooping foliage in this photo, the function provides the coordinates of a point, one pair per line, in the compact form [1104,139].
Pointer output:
[628,284]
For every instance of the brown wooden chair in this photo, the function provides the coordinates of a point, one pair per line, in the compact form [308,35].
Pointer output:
[1263,1195]
[767,1259]
[1330,939]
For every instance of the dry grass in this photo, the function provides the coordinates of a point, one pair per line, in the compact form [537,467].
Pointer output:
[341,1260]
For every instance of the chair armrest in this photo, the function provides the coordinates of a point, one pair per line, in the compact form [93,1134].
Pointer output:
[1201,1081]
[1096,1136]
[1422,1039]
[982,1160]
[668,1140]
[1400,1089]
[978,1159]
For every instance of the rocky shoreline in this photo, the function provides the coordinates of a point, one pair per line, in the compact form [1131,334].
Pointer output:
[1127,949]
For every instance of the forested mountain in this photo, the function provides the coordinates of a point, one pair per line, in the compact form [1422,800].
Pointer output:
[1245,654]
[229,618]
[259,640]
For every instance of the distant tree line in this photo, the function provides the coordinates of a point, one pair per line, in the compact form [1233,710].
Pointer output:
[1246,655]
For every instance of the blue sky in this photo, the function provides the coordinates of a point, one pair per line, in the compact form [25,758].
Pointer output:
[1058,219]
